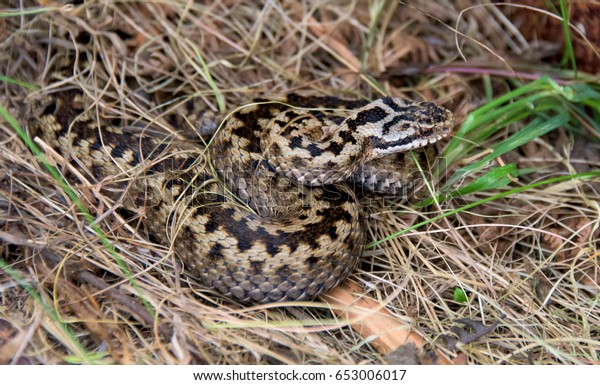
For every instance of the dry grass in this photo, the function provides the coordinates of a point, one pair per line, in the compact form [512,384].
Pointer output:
[529,260]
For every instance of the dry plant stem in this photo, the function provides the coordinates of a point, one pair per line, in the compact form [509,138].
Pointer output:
[368,318]
[135,309]
[335,46]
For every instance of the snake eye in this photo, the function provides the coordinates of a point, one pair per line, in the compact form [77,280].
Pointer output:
[425,131]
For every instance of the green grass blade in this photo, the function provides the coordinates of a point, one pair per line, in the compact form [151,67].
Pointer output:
[204,71]
[584,177]
[533,130]
[569,54]
[493,179]
[35,11]
[18,82]
[64,328]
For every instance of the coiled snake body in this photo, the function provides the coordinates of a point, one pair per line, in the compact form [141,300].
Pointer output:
[284,224]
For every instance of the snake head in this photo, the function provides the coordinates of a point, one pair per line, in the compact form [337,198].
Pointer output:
[393,125]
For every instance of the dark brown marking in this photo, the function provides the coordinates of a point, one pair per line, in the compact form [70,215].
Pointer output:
[216,251]
[388,125]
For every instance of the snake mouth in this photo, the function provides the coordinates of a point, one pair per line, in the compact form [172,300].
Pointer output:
[382,147]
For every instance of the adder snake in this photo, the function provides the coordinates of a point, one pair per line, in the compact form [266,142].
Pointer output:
[283,223]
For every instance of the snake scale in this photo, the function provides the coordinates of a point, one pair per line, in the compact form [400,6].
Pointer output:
[269,212]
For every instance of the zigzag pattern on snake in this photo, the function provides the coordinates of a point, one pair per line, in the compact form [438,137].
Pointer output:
[278,219]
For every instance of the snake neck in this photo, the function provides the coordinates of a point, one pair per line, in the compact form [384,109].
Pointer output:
[318,149]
